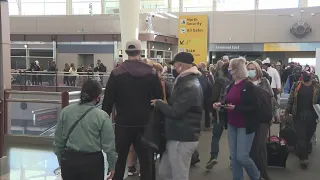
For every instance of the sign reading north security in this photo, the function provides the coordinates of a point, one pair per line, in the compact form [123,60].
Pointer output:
[193,36]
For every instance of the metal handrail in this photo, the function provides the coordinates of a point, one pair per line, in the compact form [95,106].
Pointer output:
[57,72]
[34,100]
[46,109]
[32,92]
[49,129]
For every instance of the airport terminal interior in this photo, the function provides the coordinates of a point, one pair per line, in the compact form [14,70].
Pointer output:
[41,40]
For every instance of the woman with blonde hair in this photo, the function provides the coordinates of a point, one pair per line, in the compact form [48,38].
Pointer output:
[241,112]
[259,149]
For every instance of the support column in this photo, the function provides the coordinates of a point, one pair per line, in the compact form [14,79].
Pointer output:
[181,7]
[214,5]
[129,22]
[103,6]
[69,7]
[5,67]
[256,4]
[19,7]
[303,3]
[169,5]
[317,68]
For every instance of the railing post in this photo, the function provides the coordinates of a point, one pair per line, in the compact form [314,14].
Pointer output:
[56,79]
[64,99]
[2,119]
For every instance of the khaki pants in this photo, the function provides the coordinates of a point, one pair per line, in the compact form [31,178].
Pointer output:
[175,162]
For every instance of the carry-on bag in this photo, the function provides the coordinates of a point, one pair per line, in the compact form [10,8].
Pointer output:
[277,149]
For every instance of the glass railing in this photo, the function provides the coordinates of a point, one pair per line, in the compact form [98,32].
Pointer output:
[51,131]
[58,79]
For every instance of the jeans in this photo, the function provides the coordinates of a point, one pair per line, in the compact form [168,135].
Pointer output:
[216,136]
[240,146]
[259,152]
[175,162]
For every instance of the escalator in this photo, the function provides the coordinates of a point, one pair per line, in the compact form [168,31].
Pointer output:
[50,131]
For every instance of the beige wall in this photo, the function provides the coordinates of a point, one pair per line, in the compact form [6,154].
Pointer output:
[63,58]
[106,59]
[97,24]
[225,27]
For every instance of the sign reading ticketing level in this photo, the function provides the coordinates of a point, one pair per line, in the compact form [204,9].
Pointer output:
[193,36]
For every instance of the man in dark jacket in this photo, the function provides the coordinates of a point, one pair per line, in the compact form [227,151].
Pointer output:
[220,120]
[130,88]
[102,69]
[183,114]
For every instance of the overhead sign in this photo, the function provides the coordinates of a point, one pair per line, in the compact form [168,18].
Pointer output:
[233,47]
[45,116]
[291,46]
[193,36]
[281,47]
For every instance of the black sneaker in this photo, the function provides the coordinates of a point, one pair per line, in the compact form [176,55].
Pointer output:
[304,164]
[194,160]
[132,171]
[211,163]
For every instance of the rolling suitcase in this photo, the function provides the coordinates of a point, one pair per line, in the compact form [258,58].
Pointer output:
[277,149]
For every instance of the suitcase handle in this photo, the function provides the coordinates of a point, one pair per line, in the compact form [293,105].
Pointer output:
[279,138]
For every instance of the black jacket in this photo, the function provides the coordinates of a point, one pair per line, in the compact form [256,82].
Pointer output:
[130,88]
[248,106]
[266,75]
[183,112]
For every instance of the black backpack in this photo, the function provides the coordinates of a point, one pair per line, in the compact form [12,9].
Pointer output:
[264,103]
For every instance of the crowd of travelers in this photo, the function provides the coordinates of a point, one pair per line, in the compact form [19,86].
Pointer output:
[154,116]
[72,75]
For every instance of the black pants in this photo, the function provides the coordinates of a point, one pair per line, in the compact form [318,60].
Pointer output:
[207,119]
[125,136]
[82,166]
[275,93]
[305,130]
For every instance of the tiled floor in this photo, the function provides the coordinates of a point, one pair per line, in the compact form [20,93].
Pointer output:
[36,163]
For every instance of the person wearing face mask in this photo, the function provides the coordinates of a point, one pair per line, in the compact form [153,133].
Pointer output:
[83,132]
[259,149]
[294,77]
[183,114]
[241,109]
[304,94]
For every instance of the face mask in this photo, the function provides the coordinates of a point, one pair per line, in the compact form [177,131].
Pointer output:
[229,72]
[297,76]
[174,73]
[252,73]
[98,100]
[306,78]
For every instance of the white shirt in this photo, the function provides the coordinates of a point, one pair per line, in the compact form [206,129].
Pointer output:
[276,80]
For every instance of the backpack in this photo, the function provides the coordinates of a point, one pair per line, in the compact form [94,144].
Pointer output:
[206,87]
[264,104]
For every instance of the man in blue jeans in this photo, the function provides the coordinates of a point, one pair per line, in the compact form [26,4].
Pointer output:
[218,126]
[219,121]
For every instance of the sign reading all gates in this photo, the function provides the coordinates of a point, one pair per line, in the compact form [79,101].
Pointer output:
[193,36]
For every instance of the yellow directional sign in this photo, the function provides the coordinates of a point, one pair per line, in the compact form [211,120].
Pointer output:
[193,36]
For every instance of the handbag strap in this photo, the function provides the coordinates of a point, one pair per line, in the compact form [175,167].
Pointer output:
[74,125]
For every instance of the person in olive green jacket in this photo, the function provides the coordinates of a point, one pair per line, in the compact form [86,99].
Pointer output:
[303,95]
[79,151]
